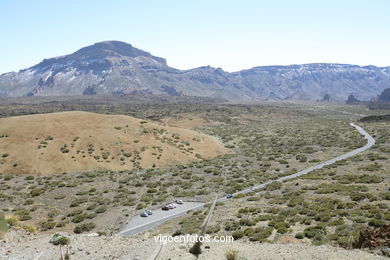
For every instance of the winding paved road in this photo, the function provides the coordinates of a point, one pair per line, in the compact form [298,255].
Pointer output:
[138,224]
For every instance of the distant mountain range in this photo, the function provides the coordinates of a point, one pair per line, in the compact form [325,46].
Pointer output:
[114,67]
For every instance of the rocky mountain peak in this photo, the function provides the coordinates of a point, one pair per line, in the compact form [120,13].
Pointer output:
[95,57]
[111,49]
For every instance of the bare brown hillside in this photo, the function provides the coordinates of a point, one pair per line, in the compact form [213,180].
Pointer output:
[77,141]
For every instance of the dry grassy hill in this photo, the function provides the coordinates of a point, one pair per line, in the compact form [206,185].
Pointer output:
[76,141]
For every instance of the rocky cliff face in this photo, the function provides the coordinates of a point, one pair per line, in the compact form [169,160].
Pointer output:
[114,67]
[314,81]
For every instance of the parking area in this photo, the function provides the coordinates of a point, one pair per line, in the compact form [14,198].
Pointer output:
[138,224]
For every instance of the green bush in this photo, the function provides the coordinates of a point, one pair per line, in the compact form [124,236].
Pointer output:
[85,227]
[237,234]
[213,229]
[46,225]
[301,158]
[231,254]
[75,212]
[358,196]
[312,231]
[246,222]
[101,209]
[260,233]
[376,222]
[78,218]
[231,225]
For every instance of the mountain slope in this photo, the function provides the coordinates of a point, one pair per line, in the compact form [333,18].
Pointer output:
[114,67]
[314,81]
[77,141]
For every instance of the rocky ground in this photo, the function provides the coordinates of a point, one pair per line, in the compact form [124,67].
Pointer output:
[19,245]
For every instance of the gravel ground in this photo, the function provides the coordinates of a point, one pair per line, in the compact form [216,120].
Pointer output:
[19,245]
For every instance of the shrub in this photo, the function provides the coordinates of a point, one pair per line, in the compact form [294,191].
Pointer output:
[30,228]
[92,206]
[376,222]
[36,192]
[77,202]
[78,218]
[261,233]
[28,202]
[61,224]
[231,254]
[231,225]
[282,230]
[44,226]
[101,209]
[301,158]
[64,149]
[299,235]
[237,234]
[312,231]
[246,222]
[75,212]
[358,196]
[58,239]
[127,154]
[105,155]
[52,213]
[213,229]
[24,217]
[13,221]
[91,216]
[85,227]
[385,195]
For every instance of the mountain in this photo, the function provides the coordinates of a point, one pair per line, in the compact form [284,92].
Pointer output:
[314,81]
[114,67]
[384,96]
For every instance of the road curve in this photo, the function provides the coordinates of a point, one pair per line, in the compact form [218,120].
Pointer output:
[370,142]
[148,225]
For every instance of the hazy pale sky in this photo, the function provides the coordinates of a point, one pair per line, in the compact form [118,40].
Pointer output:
[231,34]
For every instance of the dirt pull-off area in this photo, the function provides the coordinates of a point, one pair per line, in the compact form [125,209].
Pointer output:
[77,141]
[22,246]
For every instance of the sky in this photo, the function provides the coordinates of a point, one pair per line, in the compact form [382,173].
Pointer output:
[230,34]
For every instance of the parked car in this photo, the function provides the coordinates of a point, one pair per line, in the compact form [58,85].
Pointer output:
[144,214]
[229,196]
[165,207]
[149,212]
[179,201]
[174,205]
[170,206]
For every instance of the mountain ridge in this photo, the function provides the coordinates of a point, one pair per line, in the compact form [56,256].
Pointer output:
[114,67]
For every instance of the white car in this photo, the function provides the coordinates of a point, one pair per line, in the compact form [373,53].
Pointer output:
[172,205]
[179,201]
